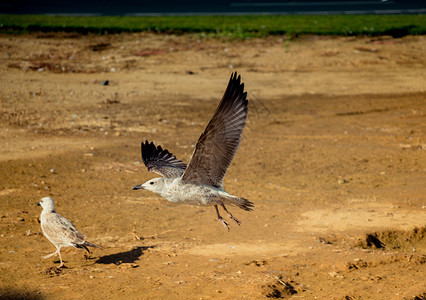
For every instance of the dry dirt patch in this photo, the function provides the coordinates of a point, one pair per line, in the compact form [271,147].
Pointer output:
[333,157]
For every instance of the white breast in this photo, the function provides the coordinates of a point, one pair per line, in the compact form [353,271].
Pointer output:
[178,192]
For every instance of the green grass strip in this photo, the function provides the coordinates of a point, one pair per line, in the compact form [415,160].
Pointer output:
[222,26]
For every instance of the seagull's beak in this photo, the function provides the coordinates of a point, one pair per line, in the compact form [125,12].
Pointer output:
[38,204]
[138,187]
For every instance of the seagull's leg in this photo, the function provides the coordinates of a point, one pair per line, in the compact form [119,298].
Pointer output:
[230,215]
[51,254]
[60,258]
[221,220]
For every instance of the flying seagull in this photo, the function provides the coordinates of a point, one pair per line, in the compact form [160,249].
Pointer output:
[201,182]
[59,230]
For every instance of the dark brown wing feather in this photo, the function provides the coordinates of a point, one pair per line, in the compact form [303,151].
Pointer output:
[161,161]
[217,146]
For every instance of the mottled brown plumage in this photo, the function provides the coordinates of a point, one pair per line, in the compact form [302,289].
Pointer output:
[201,182]
[219,142]
[59,230]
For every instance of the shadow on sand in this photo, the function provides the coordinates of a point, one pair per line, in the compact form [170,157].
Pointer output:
[123,257]
[12,293]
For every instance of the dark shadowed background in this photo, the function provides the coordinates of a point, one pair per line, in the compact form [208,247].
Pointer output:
[191,7]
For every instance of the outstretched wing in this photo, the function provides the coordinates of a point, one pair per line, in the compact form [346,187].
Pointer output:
[161,161]
[217,146]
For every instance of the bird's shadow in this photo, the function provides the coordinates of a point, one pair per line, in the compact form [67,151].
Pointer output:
[14,294]
[123,257]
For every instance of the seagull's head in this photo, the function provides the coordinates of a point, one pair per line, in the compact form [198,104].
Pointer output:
[47,203]
[155,185]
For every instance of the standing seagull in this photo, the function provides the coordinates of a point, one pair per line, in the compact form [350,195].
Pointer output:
[59,230]
[200,183]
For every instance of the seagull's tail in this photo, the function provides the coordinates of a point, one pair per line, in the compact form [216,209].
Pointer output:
[242,203]
[245,204]
[86,244]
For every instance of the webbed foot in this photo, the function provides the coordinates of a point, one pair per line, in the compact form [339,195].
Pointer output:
[224,223]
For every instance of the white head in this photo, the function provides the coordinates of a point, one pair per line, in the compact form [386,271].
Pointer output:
[155,185]
[47,204]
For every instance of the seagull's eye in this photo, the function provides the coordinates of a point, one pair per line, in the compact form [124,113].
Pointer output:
[151,183]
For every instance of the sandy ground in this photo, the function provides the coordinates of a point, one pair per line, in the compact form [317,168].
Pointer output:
[333,156]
